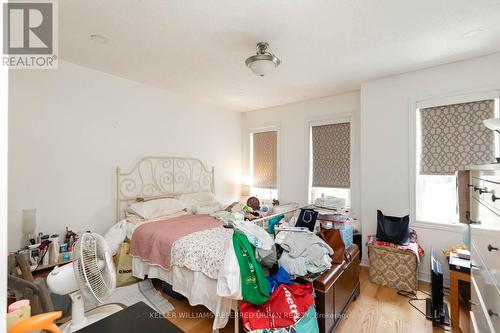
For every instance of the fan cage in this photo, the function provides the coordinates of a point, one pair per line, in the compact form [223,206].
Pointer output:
[91,267]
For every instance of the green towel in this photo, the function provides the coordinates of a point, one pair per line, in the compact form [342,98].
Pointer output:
[254,285]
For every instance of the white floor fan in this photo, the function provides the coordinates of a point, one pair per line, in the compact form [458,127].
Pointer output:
[91,275]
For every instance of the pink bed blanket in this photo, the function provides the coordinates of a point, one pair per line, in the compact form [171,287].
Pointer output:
[153,241]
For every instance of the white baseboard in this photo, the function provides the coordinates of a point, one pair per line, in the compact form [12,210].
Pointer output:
[424,276]
[365,262]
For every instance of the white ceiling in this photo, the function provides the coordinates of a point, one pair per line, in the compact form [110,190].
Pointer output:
[198,48]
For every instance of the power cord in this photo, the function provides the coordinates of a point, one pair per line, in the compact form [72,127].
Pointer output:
[412,296]
[41,258]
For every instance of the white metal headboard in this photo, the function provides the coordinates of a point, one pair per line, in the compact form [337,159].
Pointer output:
[156,176]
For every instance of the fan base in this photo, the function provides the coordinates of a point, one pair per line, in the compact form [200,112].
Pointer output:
[92,316]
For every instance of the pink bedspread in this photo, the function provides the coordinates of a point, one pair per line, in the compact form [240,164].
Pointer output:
[153,241]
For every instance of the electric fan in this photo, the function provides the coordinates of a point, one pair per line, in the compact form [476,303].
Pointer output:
[91,275]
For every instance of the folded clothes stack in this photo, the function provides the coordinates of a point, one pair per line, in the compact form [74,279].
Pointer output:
[303,253]
[330,202]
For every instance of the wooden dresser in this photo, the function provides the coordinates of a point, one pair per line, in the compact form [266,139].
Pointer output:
[479,197]
[336,289]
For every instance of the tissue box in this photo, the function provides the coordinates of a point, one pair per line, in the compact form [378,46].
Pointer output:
[346,231]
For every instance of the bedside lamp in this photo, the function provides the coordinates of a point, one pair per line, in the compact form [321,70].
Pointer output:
[29,224]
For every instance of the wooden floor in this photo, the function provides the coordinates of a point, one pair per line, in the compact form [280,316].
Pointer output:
[377,310]
[381,310]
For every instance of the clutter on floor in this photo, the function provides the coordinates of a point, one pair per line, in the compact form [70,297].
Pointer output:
[41,322]
[287,306]
[280,263]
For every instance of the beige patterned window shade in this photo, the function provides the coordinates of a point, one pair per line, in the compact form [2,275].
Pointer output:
[454,136]
[265,159]
[331,154]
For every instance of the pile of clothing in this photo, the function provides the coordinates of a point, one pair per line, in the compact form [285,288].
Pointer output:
[273,303]
[289,309]
[304,253]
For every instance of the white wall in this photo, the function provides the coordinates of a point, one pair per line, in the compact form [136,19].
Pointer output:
[385,139]
[69,128]
[292,120]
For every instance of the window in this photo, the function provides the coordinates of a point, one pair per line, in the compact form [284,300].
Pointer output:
[449,137]
[330,160]
[264,164]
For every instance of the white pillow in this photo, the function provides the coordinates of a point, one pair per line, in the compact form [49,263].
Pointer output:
[199,199]
[155,208]
[200,203]
[207,209]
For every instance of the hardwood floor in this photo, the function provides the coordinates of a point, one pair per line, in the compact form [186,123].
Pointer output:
[377,310]
[381,310]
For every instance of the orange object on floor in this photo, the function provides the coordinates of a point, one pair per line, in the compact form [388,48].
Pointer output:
[44,321]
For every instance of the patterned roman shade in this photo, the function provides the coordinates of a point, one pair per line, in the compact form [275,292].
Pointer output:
[265,156]
[454,136]
[331,153]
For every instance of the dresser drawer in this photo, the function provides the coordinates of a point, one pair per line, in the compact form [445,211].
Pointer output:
[486,289]
[486,243]
[482,215]
[475,186]
[486,187]
[480,324]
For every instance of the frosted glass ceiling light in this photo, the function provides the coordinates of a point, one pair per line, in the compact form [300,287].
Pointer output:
[264,62]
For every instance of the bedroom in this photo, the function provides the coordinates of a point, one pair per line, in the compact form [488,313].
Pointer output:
[166,82]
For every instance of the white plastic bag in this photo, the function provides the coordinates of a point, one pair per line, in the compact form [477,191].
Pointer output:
[256,235]
[229,278]
[115,236]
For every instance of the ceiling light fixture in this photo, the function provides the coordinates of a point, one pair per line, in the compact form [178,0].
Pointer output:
[99,38]
[264,62]
[472,33]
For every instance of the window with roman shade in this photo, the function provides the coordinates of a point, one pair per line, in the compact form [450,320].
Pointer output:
[265,159]
[331,155]
[449,137]
[454,136]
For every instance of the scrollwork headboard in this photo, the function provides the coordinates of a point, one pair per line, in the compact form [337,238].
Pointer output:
[157,176]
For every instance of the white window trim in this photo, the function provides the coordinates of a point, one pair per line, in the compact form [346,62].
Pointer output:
[267,128]
[319,121]
[490,92]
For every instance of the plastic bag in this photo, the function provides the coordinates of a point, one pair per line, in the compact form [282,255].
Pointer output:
[256,235]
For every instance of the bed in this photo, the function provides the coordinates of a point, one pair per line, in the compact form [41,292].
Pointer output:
[193,270]
[197,263]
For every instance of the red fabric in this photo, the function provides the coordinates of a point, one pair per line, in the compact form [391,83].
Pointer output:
[286,305]
[412,246]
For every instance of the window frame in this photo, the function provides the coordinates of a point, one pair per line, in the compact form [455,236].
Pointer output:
[327,120]
[260,129]
[415,105]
